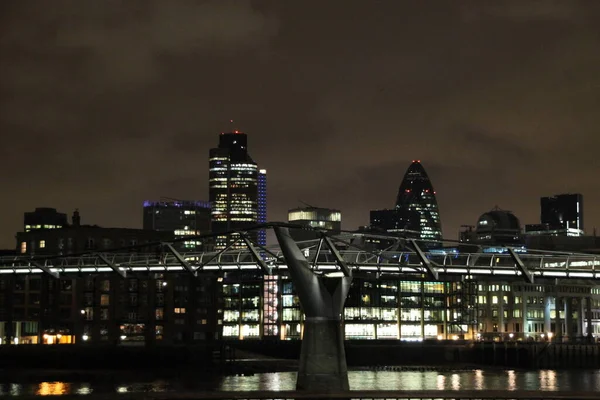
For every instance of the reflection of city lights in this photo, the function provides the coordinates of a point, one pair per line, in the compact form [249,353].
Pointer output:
[479,379]
[512,380]
[455,382]
[52,388]
[441,382]
[548,380]
[84,389]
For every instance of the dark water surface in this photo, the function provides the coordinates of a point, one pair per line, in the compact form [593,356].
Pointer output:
[577,380]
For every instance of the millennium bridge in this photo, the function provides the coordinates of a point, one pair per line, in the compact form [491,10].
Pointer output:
[321,271]
[343,254]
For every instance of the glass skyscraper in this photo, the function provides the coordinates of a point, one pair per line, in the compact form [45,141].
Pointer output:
[233,187]
[416,194]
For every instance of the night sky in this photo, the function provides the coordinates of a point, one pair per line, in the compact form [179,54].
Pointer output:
[104,104]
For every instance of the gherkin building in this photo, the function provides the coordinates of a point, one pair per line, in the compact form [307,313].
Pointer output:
[416,194]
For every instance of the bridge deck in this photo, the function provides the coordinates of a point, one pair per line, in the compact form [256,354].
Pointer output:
[405,263]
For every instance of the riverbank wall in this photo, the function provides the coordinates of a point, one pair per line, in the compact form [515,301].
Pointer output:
[274,356]
[449,353]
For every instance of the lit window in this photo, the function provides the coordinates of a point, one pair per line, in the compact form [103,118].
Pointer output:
[23,247]
[180,311]
[42,244]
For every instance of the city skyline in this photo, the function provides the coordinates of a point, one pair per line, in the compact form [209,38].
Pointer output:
[497,100]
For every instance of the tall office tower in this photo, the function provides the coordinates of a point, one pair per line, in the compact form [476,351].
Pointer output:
[182,217]
[416,194]
[262,205]
[233,188]
[563,213]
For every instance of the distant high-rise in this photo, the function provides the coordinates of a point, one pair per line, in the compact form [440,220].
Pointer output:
[498,227]
[314,217]
[416,194]
[563,214]
[262,205]
[402,222]
[183,218]
[233,187]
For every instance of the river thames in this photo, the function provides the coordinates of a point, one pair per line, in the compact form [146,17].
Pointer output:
[579,380]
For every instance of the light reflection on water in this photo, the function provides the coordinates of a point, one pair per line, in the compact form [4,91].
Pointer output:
[478,381]
[512,380]
[586,380]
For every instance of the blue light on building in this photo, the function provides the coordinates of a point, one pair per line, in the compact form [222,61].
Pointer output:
[262,205]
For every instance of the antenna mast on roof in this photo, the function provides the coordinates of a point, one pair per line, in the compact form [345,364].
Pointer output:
[306,204]
[163,198]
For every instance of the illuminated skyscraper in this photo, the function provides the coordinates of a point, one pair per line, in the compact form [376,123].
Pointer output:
[416,194]
[233,187]
[262,205]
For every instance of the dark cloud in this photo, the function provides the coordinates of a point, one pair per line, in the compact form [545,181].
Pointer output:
[528,11]
[105,104]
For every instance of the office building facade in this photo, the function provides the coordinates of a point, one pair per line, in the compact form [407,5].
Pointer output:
[104,308]
[268,307]
[233,187]
[499,228]
[562,214]
[314,217]
[182,218]
[44,218]
[401,222]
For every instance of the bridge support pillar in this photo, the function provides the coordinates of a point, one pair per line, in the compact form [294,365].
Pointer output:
[322,357]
